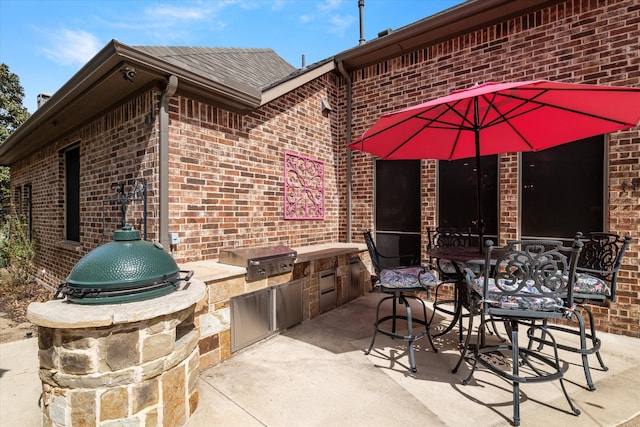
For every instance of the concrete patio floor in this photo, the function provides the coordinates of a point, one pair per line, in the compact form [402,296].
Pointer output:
[316,374]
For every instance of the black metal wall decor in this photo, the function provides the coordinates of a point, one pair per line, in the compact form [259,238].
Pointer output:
[126,193]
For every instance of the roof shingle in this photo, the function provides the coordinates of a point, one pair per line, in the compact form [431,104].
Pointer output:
[257,68]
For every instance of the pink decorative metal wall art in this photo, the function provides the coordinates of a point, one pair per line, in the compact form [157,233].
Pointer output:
[303,187]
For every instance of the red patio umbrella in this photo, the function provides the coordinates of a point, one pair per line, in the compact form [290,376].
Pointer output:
[494,118]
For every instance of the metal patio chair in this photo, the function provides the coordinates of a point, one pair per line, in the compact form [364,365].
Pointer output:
[596,282]
[401,283]
[531,281]
[449,272]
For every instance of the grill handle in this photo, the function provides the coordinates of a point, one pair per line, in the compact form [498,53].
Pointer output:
[187,277]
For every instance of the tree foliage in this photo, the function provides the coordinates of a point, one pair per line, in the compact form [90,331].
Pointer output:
[12,115]
[17,252]
[12,112]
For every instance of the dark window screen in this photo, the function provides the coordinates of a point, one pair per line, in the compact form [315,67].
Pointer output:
[398,209]
[563,189]
[28,212]
[457,189]
[398,195]
[72,194]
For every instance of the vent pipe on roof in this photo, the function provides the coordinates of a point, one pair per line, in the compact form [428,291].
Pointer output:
[304,61]
[361,8]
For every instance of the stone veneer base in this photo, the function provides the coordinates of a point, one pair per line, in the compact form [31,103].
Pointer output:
[134,364]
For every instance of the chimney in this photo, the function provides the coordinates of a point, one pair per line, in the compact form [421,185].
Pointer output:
[42,98]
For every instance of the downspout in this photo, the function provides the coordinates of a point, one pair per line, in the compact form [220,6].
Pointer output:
[347,77]
[163,158]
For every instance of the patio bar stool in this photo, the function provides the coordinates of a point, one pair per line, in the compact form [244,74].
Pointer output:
[596,283]
[401,283]
[532,281]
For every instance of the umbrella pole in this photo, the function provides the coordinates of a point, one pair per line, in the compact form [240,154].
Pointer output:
[476,120]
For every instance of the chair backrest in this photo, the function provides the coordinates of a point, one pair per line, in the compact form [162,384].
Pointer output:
[373,252]
[443,237]
[381,261]
[602,256]
[530,275]
[448,236]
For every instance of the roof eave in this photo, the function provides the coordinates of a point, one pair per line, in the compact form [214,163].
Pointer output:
[460,19]
[239,96]
[299,80]
[102,69]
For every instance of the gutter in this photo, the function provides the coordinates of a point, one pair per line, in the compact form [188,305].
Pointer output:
[459,19]
[348,130]
[163,161]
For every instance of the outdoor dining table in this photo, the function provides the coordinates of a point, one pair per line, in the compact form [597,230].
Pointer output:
[461,257]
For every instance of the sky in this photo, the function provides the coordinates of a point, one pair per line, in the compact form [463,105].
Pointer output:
[45,42]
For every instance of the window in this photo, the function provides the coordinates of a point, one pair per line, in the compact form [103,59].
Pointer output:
[17,200]
[28,208]
[72,194]
[397,209]
[563,189]
[457,194]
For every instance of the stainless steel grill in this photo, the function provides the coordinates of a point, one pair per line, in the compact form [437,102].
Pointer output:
[261,262]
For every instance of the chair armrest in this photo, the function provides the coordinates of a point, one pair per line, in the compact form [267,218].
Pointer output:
[591,270]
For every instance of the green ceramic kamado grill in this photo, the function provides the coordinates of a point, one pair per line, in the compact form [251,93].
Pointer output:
[125,270]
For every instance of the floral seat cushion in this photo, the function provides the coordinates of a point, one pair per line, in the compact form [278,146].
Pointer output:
[407,277]
[496,298]
[588,284]
[447,267]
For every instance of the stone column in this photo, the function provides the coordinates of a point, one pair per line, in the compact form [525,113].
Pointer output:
[122,364]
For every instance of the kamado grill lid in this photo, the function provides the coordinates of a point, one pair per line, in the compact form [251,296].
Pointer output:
[127,269]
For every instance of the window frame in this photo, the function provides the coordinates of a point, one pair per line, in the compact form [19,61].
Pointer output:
[603,193]
[71,227]
[404,239]
[489,233]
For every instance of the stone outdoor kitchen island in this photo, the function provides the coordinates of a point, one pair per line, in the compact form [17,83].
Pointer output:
[136,362]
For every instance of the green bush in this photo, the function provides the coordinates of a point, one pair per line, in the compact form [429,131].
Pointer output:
[17,251]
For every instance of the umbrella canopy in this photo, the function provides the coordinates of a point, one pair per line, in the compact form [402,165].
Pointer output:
[494,118]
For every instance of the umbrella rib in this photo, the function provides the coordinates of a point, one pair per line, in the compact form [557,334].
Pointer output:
[452,125]
[570,110]
[506,120]
[427,123]
[474,125]
[363,138]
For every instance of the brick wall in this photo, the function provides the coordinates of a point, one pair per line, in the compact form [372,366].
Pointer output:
[595,42]
[226,176]
[117,147]
[227,172]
